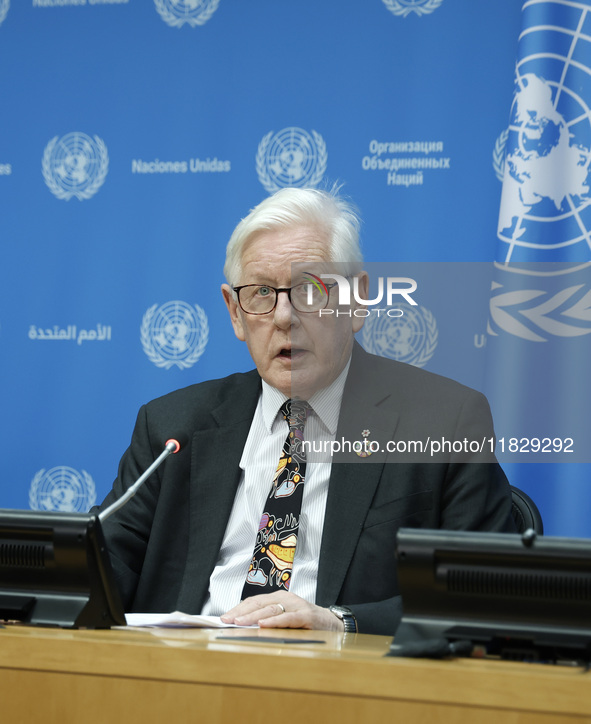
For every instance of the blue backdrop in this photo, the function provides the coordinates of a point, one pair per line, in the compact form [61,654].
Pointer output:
[136,134]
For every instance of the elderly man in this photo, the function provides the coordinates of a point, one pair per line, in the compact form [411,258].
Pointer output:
[223,528]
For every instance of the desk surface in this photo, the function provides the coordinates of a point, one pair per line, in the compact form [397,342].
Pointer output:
[169,675]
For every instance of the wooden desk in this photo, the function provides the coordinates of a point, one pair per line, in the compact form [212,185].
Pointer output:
[189,675]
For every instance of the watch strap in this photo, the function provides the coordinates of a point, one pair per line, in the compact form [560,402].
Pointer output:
[346,616]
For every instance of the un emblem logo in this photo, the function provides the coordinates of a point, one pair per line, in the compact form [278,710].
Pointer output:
[545,171]
[75,165]
[193,12]
[291,157]
[545,212]
[4,5]
[63,489]
[406,7]
[410,338]
[175,333]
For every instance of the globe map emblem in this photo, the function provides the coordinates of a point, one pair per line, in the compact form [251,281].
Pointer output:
[545,211]
[175,333]
[75,165]
[193,12]
[291,157]
[410,338]
[62,489]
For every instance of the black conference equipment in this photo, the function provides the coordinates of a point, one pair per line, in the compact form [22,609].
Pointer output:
[55,569]
[512,596]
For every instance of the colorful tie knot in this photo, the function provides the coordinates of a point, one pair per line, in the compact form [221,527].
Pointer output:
[296,412]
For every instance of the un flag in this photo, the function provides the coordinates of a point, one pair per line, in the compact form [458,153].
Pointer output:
[539,331]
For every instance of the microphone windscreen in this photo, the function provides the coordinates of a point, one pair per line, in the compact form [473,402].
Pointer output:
[180,440]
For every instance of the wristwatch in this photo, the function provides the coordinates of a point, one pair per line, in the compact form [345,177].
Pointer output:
[346,616]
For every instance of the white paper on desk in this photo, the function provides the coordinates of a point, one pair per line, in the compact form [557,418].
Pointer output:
[177,619]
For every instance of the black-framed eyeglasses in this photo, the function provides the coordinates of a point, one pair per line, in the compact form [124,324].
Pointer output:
[262,298]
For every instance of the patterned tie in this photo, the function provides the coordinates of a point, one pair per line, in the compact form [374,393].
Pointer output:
[274,550]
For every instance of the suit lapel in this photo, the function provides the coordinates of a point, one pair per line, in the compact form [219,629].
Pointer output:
[353,479]
[216,450]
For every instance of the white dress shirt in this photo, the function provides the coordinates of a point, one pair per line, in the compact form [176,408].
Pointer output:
[258,464]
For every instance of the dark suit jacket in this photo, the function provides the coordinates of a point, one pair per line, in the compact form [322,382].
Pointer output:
[165,542]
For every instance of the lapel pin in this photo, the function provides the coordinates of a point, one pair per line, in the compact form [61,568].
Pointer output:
[363,447]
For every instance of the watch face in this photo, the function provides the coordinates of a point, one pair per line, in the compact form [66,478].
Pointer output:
[340,611]
[346,616]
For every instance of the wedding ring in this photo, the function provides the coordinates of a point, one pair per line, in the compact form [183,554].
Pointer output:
[281,607]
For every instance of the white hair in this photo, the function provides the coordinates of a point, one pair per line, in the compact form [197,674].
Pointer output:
[295,207]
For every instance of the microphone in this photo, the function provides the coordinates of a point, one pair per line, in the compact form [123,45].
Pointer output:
[171,447]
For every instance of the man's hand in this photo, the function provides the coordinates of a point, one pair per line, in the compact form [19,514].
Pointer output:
[282,610]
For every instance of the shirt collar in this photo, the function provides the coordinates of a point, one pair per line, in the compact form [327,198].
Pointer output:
[325,403]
